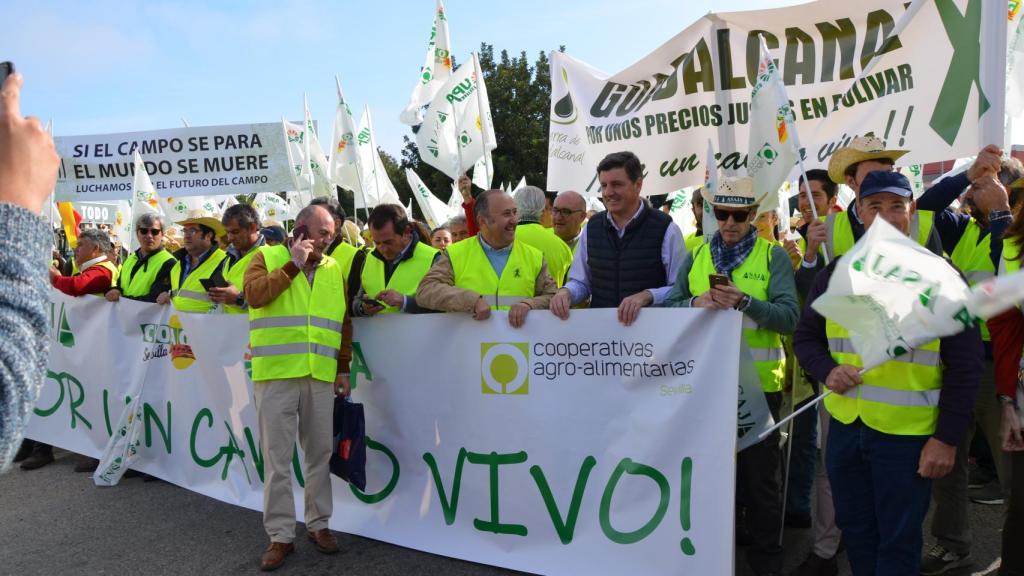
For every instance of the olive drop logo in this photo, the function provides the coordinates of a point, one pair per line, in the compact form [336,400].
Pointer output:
[505,368]
[564,109]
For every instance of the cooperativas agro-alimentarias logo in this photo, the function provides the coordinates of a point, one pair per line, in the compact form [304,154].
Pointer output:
[505,368]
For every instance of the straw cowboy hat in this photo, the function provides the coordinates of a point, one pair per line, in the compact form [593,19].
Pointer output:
[733,192]
[1018,183]
[203,217]
[860,149]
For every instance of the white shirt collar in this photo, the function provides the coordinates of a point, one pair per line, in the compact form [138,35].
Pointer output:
[90,263]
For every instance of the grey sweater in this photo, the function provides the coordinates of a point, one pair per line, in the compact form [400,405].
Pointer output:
[25,245]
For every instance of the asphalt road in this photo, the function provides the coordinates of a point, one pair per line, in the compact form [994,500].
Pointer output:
[54,521]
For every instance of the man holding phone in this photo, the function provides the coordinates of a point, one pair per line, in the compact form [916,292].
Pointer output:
[392,271]
[300,357]
[737,270]
[198,262]
[242,227]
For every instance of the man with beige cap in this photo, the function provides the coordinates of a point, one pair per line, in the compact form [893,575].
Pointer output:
[199,260]
[737,270]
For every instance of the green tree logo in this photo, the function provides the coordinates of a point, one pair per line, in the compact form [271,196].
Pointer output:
[505,368]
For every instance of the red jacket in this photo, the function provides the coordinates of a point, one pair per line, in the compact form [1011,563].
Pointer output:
[96,280]
[1007,331]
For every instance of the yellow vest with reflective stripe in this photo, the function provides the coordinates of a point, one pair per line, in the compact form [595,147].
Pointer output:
[899,397]
[298,334]
[839,233]
[974,260]
[235,274]
[113,271]
[1009,262]
[343,254]
[191,296]
[692,241]
[473,271]
[140,283]
[406,277]
[753,278]
[556,252]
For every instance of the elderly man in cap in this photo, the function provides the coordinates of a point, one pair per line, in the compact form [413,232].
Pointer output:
[737,270]
[533,210]
[895,427]
[628,256]
[199,261]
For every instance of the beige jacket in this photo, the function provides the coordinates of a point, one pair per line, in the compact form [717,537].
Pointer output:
[437,290]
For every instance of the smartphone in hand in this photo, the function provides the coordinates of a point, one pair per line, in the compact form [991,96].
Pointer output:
[718,280]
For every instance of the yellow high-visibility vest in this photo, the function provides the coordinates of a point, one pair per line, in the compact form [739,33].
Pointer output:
[473,271]
[191,296]
[973,259]
[753,278]
[141,282]
[298,334]
[406,277]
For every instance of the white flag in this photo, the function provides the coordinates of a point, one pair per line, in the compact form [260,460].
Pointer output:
[343,168]
[376,185]
[894,295]
[481,175]
[771,153]
[455,200]
[177,208]
[436,70]
[434,211]
[144,198]
[270,206]
[458,127]
[522,184]
[322,183]
[1014,60]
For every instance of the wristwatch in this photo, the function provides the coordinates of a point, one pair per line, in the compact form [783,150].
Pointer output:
[997,214]
[1004,400]
[743,303]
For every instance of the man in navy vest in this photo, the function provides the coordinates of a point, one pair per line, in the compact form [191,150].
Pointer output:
[628,255]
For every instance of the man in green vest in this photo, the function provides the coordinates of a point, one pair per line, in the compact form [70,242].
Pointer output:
[532,209]
[392,271]
[299,360]
[147,272]
[975,245]
[568,214]
[199,260]
[895,427]
[691,241]
[241,226]
[736,270]
[492,270]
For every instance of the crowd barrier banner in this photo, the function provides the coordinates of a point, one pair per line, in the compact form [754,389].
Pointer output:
[561,447]
[849,69]
[193,161]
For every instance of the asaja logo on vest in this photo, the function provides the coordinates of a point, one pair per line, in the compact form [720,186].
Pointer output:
[164,335]
[505,368]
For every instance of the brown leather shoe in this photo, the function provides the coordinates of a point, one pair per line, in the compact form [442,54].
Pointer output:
[273,557]
[324,541]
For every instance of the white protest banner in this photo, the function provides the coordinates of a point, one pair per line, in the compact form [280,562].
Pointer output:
[911,74]
[556,448]
[195,161]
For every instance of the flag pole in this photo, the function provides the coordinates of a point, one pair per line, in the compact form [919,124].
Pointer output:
[484,112]
[458,145]
[374,157]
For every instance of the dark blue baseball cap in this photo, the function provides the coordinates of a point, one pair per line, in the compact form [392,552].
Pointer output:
[885,181]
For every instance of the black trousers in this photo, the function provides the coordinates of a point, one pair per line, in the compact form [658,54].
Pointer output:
[759,490]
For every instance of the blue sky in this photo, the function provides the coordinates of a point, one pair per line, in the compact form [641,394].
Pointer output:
[105,66]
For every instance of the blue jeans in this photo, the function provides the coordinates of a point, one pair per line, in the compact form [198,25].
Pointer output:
[880,499]
[801,463]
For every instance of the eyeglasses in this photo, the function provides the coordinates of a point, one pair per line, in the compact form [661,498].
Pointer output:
[723,215]
[150,231]
[564,212]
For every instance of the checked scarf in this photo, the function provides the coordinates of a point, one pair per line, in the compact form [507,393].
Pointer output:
[729,258]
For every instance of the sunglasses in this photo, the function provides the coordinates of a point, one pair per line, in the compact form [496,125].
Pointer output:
[150,231]
[564,212]
[723,215]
